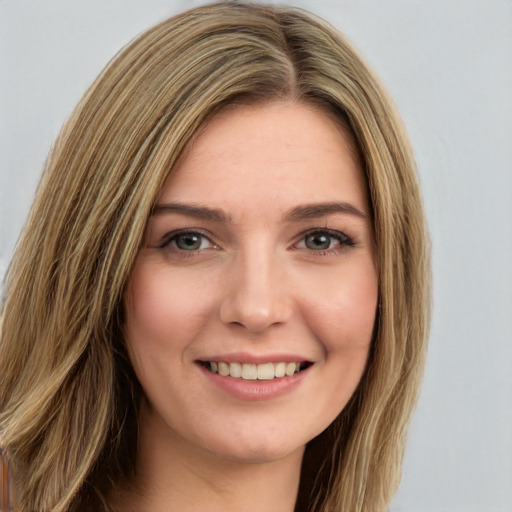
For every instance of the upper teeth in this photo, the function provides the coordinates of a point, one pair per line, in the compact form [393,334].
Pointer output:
[248,371]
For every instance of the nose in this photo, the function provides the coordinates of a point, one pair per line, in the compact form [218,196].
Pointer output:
[257,296]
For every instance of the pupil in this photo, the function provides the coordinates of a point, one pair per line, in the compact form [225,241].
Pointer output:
[318,242]
[188,242]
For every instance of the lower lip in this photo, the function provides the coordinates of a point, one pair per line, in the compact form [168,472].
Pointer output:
[255,390]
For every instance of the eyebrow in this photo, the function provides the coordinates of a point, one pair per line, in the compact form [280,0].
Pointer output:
[297,214]
[201,212]
[311,211]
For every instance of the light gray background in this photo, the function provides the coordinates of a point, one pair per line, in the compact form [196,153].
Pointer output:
[447,63]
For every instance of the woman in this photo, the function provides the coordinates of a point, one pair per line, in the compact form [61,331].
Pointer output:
[220,295]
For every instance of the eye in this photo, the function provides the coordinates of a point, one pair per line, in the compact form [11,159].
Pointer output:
[190,242]
[318,241]
[187,241]
[322,240]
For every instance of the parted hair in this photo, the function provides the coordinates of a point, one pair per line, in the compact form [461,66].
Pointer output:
[68,395]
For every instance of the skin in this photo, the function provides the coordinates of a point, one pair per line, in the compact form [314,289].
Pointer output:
[262,280]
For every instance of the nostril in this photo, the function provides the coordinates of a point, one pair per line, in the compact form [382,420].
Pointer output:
[255,317]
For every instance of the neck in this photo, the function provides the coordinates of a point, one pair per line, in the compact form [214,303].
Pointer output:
[172,474]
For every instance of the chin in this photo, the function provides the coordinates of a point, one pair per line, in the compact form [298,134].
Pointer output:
[256,449]
[263,454]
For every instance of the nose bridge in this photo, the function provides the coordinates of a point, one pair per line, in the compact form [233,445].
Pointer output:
[257,296]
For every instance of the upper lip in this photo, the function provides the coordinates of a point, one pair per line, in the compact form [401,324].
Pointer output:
[243,357]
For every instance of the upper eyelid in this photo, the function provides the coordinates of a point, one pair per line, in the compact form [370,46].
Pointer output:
[335,233]
[168,237]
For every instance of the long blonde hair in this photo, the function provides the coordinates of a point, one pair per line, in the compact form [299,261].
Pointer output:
[68,396]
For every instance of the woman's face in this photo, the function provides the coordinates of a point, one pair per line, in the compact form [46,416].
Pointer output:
[251,306]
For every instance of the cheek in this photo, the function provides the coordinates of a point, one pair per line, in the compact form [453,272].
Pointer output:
[163,306]
[157,321]
[343,310]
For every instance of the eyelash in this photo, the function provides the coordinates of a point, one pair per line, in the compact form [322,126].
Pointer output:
[169,241]
[344,241]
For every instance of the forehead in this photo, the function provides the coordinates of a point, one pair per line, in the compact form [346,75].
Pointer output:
[288,151]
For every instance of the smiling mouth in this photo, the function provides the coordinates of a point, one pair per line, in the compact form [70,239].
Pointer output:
[249,371]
